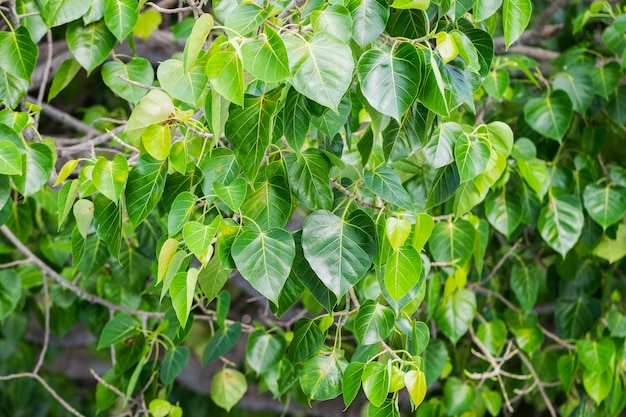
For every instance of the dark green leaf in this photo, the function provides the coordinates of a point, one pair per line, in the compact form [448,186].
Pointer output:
[373,323]
[309,178]
[455,313]
[221,342]
[525,284]
[119,328]
[173,363]
[307,340]
[90,44]
[551,116]
[385,182]
[121,16]
[144,187]
[561,223]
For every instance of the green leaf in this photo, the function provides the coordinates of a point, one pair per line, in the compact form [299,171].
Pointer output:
[110,177]
[263,351]
[222,341]
[385,182]
[159,408]
[37,167]
[403,272]
[166,255]
[598,384]
[307,340]
[64,76]
[606,78]
[137,69]
[566,367]
[321,68]
[376,380]
[335,20]
[10,292]
[224,70]
[390,80]
[424,226]
[457,396]
[199,33]
[12,89]
[10,159]
[605,205]
[551,116]
[339,249]
[173,363]
[270,203]
[504,211]
[373,323]
[439,151]
[577,83]
[250,130]
[182,288]
[369,17]
[59,12]
[90,44]
[83,213]
[266,58]
[119,328]
[351,382]
[264,259]
[228,387]
[198,236]
[484,9]
[574,317]
[455,313]
[525,284]
[157,140]
[397,231]
[492,334]
[295,119]
[452,242]
[246,18]
[471,156]
[182,208]
[233,194]
[121,16]
[561,223]
[309,178]
[596,355]
[415,382]
[496,83]
[154,108]
[321,375]
[18,53]
[67,195]
[221,166]
[212,278]
[612,249]
[144,188]
[516,16]
[389,408]
[185,85]
[108,223]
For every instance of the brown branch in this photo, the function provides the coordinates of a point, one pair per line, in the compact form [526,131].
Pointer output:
[540,384]
[352,196]
[66,118]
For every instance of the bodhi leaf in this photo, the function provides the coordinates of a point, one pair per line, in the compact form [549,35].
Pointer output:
[266,59]
[334,19]
[455,313]
[121,16]
[390,80]
[452,242]
[10,159]
[90,44]
[109,177]
[198,236]
[263,351]
[307,340]
[309,178]
[144,187]
[385,182]
[605,205]
[321,375]
[516,15]
[154,108]
[18,52]
[224,70]
[369,17]
[200,31]
[376,381]
[471,156]
[222,341]
[561,223]
[525,284]
[397,231]
[403,272]
[233,194]
[137,69]
[228,387]
[321,68]
[182,289]
[339,249]
[415,382]
[264,259]
[119,328]
[182,208]
[373,323]
[551,116]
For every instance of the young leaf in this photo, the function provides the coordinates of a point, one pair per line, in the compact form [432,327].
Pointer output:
[596,355]
[154,108]
[137,69]
[120,17]
[415,382]
[397,231]
[182,289]
[224,70]
[403,272]
[266,59]
[233,194]
[201,29]
[110,177]
[198,236]
[376,382]
[228,387]
[263,351]
[516,15]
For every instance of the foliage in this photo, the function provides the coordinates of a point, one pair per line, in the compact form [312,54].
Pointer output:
[423,217]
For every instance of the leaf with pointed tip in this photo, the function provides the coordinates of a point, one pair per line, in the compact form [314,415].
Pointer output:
[335,20]
[10,159]
[222,341]
[452,242]
[321,68]
[180,212]
[227,388]
[390,80]
[233,194]
[198,236]
[137,69]
[60,12]
[309,178]
[561,223]
[224,70]
[605,205]
[439,151]
[339,249]
[269,205]
[173,363]
[144,188]
[385,183]
[220,166]
[352,381]
[117,329]
[264,259]
[90,44]
[154,108]
[18,53]
[185,85]
[415,382]
[264,350]
[12,89]
[471,157]
[504,211]
[516,15]
[321,375]
[373,323]
[369,17]
[64,76]
[121,16]
[525,284]
[199,33]
[577,83]
[376,382]
[182,288]
[110,177]
[37,167]
[403,272]
[266,59]
[307,340]
[551,115]
[455,313]
[108,223]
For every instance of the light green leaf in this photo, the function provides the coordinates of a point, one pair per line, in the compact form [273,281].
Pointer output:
[10,159]
[83,213]
[504,211]
[373,323]
[551,115]
[321,375]
[137,69]
[390,80]
[250,130]
[561,223]
[455,313]
[351,382]
[612,249]
[577,83]
[10,292]
[166,254]
[525,284]
[385,182]
[199,33]
[18,53]
[182,288]
[472,157]
[369,17]
[403,272]
[411,4]
[224,70]
[212,277]
[12,89]
[424,226]
[233,194]
[59,12]
[452,242]
[228,387]
[321,68]
[335,20]
[415,382]
[147,22]
[144,188]
[67,195]
[439,151]
[182,208]
[186,85]
[110,177]
[397,231]
[605,205]
[269,205]
[516,15]
[159,408]
[484,9]
[263,351]
[198,236]
[245,18]
[266,58]
[121,16]
[389,408]
[598,384]
[492,334]
[596,355]
[339,249]
[37,167]
[157,140]
[376,381]
[457,396]
[90,44]
[221,166]
[117,329]
[108,223]
[496,83]
[264,259]
[65,74]
[154,108]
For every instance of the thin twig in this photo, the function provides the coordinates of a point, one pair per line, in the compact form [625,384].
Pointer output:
[138,84]
[540,385]
[169,11]
[352,196]
[46,319]
[66,118]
